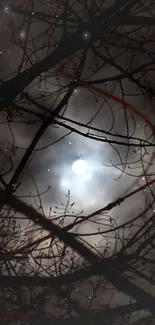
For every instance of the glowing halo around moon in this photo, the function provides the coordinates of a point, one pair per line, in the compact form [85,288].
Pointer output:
[79,167]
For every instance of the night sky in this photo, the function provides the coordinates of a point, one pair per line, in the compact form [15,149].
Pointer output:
[104,180]
[110,170]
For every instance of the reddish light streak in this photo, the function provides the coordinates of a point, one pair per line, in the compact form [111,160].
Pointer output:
[116,99]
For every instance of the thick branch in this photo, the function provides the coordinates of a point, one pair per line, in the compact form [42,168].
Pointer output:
[99,26]
[112,275]
[138,20]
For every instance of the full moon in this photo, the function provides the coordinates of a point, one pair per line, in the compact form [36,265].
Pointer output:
[80,167]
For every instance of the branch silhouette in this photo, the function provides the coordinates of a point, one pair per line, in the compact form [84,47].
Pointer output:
[112,275]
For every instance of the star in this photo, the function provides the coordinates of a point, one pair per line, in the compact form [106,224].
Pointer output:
[86,35]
